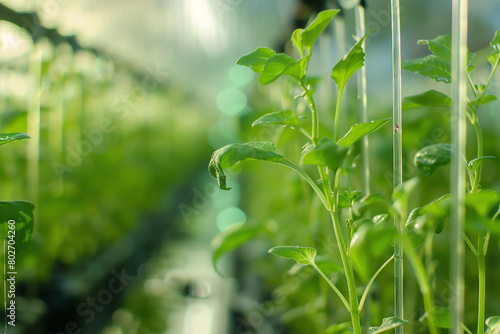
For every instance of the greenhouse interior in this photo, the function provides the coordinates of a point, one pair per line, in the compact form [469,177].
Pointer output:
[250,166]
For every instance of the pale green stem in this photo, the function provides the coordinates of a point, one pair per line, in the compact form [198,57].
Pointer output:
[314,114]
[466,329]
[482,282]
[309,180]
[471,246]
[479,137]
[469,80]
[397,157]
[481,237]
[351,284]
[370,283]
[337,113]
[314,138]
[423,282]
[458,185]
[325,180]
[331,203]
[497,62]
[330,283]
[305,133]
[362,97]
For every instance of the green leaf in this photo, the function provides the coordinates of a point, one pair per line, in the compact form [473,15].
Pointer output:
[474,164]
[298,68]
[369,242]
[342,328]
[401,194]
[495,42]
[303,255]
[438,65]
[359,130]
[431,98]
[439,207]
[430,219]
[13,136]
[370,201]
[437,211]
[484,202]
[493,58]
[415,233]
[230,239]
[256,59]
[352,61]
[403,191]
[440,47]
[486,99]
[440,315]
[493,324]
[429,66]
[312,82]
[388,324]
[21,212]
[282,117]
[380,218]
[274,67]
[311,33]
[327,153]
[297,41]
[360,222]
[429,158]
[283,64]
[231,154]
[351,195]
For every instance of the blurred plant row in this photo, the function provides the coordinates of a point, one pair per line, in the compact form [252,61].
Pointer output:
[102,168]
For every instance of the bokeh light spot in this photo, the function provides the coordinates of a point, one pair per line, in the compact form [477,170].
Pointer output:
[230,217]
[231,101]
[239,75]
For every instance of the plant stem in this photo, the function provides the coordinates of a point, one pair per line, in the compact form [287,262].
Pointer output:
[457,181]
[479,137]
[481,237]
[368,286]
[309,180]
[330,283]
[482,282]
[314,114]
[397,158]
[471,246]
[351,284]
[337,113]
[423,281]
[331,205]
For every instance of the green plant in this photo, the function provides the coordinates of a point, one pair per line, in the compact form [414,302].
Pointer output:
[334,158]
[481,203]
[367,234]
[16,225]
[19,211]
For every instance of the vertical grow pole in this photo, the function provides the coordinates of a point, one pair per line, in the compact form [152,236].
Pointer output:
[397,156]
[458,138]
[33,145]
[363,113]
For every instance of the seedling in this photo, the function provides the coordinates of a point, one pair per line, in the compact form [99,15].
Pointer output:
[328,153]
